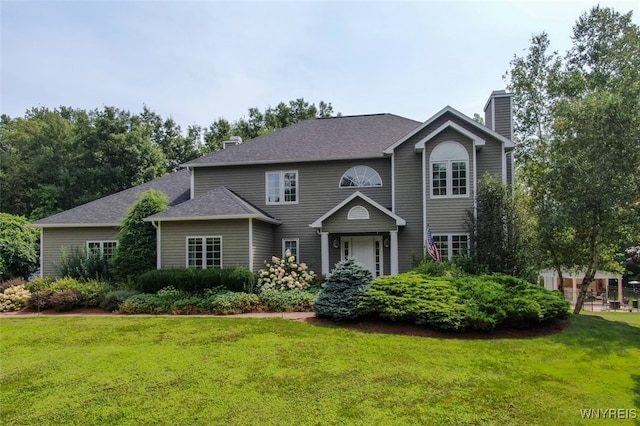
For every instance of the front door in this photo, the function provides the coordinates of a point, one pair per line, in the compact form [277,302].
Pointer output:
[366,250]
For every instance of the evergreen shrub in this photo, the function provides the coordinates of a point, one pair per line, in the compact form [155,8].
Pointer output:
[416,298]
[194,280]
[342,292]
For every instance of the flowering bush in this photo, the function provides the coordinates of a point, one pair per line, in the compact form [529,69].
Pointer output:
[284,274]
[14,298]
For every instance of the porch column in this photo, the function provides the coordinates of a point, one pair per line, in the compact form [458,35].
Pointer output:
[393,244]
[575,291]
[619,290]
[324,249]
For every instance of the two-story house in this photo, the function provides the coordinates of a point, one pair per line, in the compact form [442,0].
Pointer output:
[366,186]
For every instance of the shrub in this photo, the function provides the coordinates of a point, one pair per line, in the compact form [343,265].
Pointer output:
[287,301]
[12,283]
[91,292]
[438,269]
[284,274]
[14,298]
[81,265]
[113,299]
[194,280]
[231,303]
[238,278]
[146,304]
[416,298]
[65,300]
[343,291]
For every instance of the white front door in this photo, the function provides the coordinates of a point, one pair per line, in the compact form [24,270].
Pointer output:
[366,250]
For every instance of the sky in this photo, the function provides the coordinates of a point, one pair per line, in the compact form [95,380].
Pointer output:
[197,61]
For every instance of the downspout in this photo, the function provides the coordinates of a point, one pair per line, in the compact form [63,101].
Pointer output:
[424,202]
[158,244]
[251,244]
[41,252]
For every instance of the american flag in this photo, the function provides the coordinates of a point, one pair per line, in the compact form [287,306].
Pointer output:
[431,246]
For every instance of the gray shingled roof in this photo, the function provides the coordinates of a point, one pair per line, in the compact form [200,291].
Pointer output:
[219,203]
[362,136]
[110,210]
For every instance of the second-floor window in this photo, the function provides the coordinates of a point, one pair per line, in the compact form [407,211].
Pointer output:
[360,176]
[282,187]
[449,170]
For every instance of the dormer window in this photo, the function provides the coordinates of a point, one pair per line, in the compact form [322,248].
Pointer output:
[360,176]
[449,170]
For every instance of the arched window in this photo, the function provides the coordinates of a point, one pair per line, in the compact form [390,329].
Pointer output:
[360,176]
[449,170]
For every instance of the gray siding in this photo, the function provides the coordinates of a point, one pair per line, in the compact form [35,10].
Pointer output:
[263,244]
[377,222]
[318,192]
[55,239]
[490,159]
[503,116]
[488,115]
[234,233]
[449,214]
[443,215]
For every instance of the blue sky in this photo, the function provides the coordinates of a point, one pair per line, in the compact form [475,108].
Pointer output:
[200,60]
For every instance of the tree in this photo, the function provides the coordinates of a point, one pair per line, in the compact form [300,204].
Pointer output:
[136,251]
[260,123]
[168,136]
[500,230]
[581,156]
[18,247]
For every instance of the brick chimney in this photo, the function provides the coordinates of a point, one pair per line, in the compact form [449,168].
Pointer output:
[498,113]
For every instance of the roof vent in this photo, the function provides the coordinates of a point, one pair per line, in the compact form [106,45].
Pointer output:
[233,140]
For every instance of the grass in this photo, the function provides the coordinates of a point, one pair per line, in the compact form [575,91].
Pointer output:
[199,371]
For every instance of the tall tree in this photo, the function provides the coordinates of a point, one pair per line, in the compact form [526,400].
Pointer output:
[18,247]
[588,177]
[136,251]
[258,123]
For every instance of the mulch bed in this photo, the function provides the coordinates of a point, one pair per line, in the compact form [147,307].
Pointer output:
[375,326]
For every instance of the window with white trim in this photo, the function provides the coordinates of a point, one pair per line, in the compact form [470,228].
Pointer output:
[282,187]
[292,246]
[106,249]
[449,166]
[450,245]
[360,176]
[204,252]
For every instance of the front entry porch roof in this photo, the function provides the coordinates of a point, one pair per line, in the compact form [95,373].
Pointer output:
[318,224]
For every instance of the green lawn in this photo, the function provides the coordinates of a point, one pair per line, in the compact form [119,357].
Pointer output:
[230,371]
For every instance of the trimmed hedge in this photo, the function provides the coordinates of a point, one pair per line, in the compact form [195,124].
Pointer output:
[194,280]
